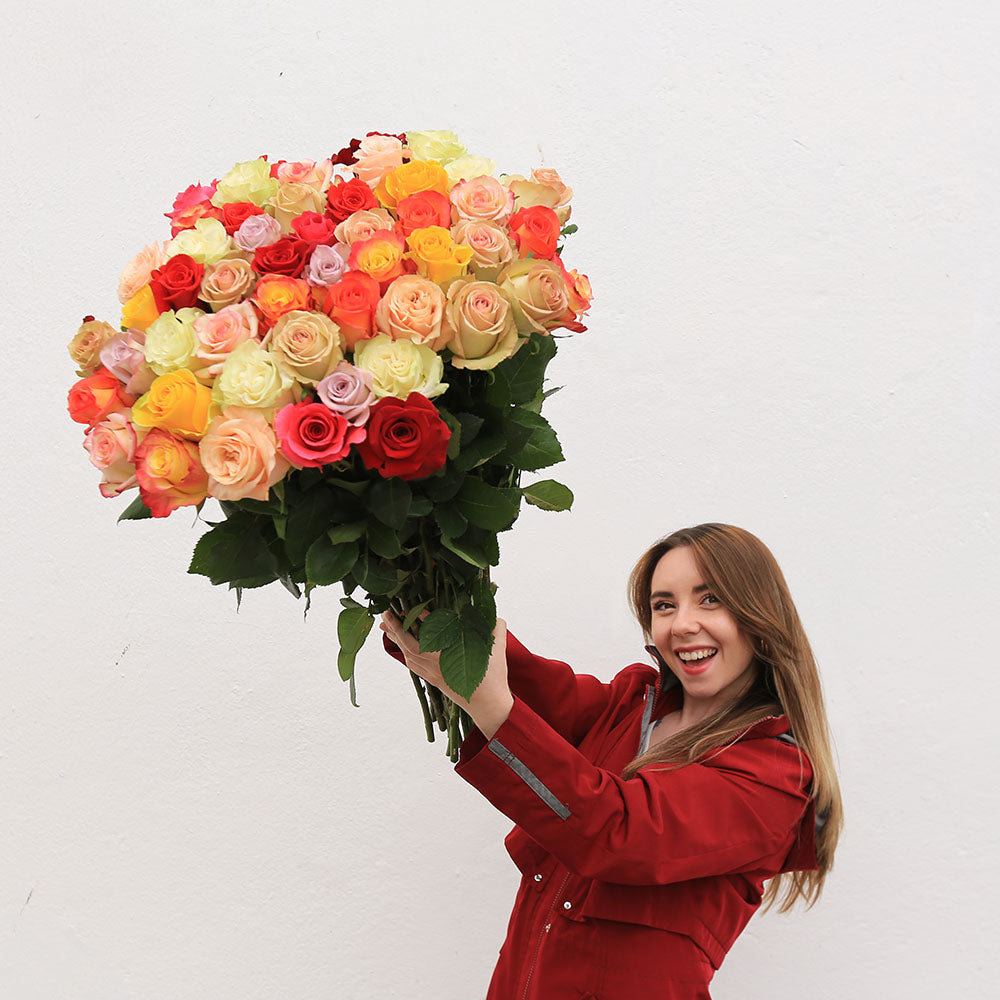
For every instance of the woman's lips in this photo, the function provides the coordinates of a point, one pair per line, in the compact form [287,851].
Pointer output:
[697,666]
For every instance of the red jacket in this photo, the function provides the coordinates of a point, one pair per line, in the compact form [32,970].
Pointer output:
[630,889]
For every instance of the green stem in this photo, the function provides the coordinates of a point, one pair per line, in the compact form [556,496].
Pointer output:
[428,725]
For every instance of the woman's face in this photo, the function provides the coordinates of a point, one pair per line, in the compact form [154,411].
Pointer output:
[698,637]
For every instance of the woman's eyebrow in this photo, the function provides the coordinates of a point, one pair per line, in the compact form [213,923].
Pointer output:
[666,593]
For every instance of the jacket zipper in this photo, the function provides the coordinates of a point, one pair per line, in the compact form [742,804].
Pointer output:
[541,936]
[741,734]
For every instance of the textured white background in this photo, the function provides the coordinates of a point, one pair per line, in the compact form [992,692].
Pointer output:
[789,213]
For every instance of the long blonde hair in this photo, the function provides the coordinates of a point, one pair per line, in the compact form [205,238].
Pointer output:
[746,578]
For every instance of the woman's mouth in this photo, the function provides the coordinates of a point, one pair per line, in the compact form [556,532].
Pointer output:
[697,661]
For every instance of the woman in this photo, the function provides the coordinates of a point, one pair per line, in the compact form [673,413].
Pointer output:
[651,810]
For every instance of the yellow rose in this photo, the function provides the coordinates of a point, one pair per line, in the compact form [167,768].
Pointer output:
[293,199]
[400,367]
[307,345]
[207,243]
[140,310]
[171,340]
[252,377]
[480,321]
[437,145]
[410,178]
[466,167]
[247,181]
[85,347]
[178,403]
[436,255]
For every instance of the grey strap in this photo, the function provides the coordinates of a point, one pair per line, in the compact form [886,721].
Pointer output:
[529,778]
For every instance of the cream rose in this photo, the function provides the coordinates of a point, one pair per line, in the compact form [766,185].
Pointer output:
[376,156]
[240,454]
[412,309]
[307,345]
[138,270]
[483,199]
[227,282]
[250,181]
[252,377]
[400,367]
[492,247]
[294,199]
[545,188]
[171,341]
[85,348]
[435,145]
[465,167]
[219,334]
[538,291]
[363,225]
[208,242]
[479,320]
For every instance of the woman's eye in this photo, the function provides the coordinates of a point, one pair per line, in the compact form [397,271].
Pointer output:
[712,598]
[662,605]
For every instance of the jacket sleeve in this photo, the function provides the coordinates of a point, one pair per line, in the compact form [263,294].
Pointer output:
[738,812]
[569,702]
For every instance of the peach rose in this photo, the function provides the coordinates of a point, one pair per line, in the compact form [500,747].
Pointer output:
[376,156]
[417,175]
[85,348]
[412,308]
[479,321]
[307,345]
[138,270]
[170,473]
[315,174]
[363,225]
[276,294]
[537,192]
[111,445]
[380,257]
[240,454]
[177,402]
[226,282]
[294,199]
[219,334]
[492,247]
[436,255]
[538,291]
[483,199]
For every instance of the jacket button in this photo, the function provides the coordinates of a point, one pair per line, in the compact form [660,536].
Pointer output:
[567,905]
[538,878]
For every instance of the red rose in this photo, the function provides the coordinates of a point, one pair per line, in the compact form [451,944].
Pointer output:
[536,231]
[288,257]
[344,198]
[92,398]
[313,228]
[235,212]
[346,155]
[423,209]
[176,285]
[406,438]
[312,435]
[351,303]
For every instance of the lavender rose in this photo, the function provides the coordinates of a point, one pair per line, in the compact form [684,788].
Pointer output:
[326,267]
[257,231]
[348,391]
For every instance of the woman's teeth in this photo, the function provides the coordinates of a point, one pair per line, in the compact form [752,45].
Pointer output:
[698,654]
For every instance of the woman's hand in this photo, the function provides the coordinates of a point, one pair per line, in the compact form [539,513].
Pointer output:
[490,703]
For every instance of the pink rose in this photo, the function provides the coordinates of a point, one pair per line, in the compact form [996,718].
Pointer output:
[219,334]
[240,454]
[376,156]
[312,435]
[111,445]
[348,391]
[483,199]
[310,172]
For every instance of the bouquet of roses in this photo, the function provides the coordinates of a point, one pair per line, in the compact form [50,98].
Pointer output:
[349,356]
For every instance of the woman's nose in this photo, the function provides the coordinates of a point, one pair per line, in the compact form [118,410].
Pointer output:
[685,623]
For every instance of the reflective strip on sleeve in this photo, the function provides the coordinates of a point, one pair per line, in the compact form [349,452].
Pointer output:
[529,778]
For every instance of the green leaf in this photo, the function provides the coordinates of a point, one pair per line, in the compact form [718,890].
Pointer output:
[383,540]
[549,495]
[450,520]
[471,424]
[482,607]
[463,665]
[468,550]
[346,532]
[454,442]
[135,511]
[519,378]
[353,625]
[420,506]
[309,516]
[569,230]
[352,486]
[481,450]
[235,552]
[414,613]
[486,506]
[439,629]
[542,447]
[373,575]
[390,501]
[328,563]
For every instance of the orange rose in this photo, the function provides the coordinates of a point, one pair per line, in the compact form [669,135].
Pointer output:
[410,178]
[94,397]
[177,402]
[536,231]
[423,209]
[436,255]
[351,303]
[277,294]
[170,473]
[380,257]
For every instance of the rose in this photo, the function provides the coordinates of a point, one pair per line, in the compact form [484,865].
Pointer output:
[345,156]
[479,321]
[492,248]
[435,145]
[400,367]
[407,439]
[539,294]
[85,348]
[417,175]
[307,345]
[252,377]
[316,174]
[176,284]
[207,243]
[482,199]
[111,445]
[351,303]
[276,294]
[578,289]
[550,178]
[312,435]
[381,257]
[545,188]
[436,255]
[170,473]
[138,270]
[344,198]
[295,199]
[347,390]
[326,267]
[288,257]
[375,156]
[250,180]
[190,205]
[240,454]
[257,231]
[177,402]
[314,229]
[536,231]
[140,310]
[363,225]
[219,334]
[171,341]
[412,308]
[423,209]
[92,398]
[125,357]
[235,213]
[465,167]
[227,282]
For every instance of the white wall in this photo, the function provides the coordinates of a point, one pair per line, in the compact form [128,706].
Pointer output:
[789,212]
